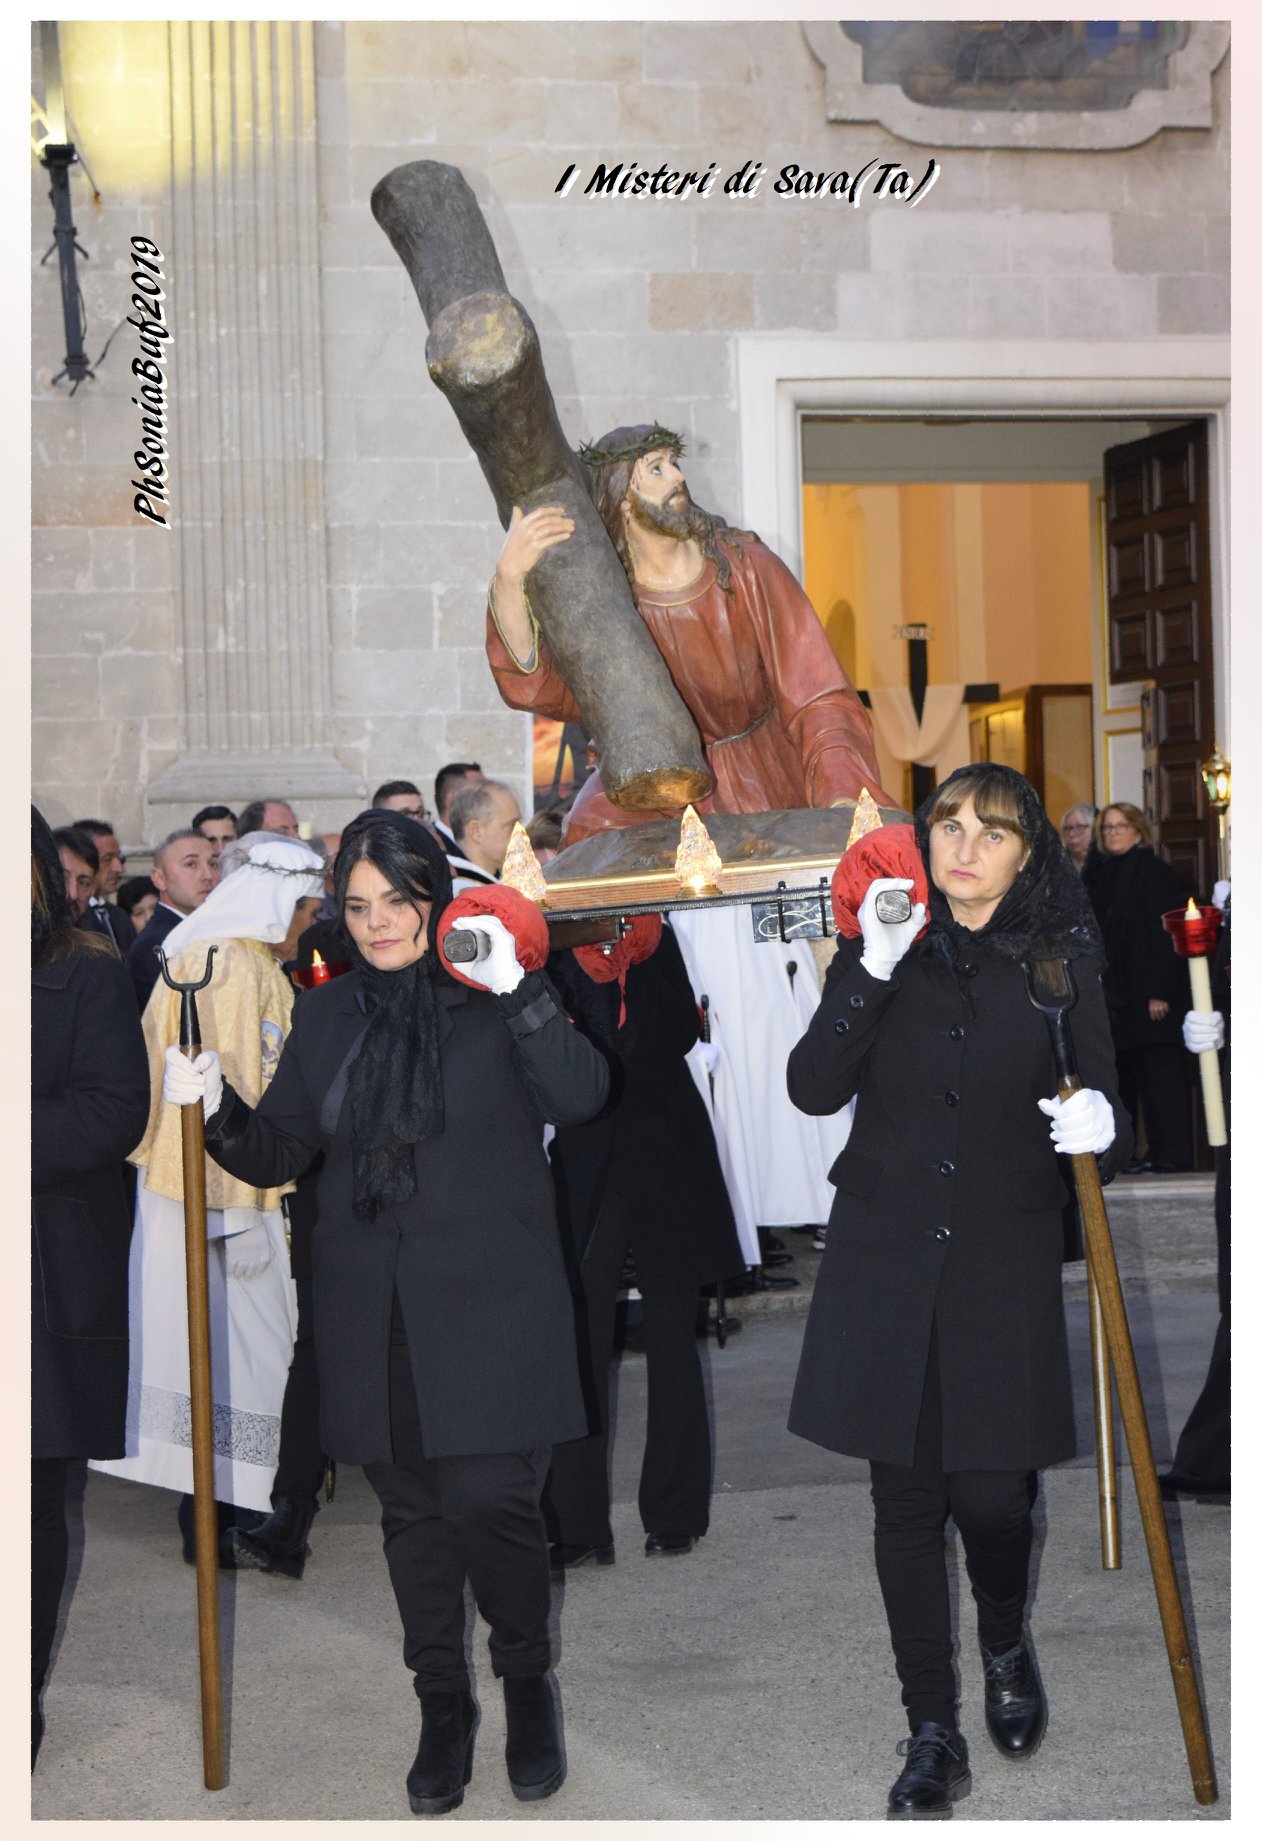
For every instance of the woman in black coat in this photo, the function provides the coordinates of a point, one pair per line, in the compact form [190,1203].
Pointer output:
[936,1344]
[1145,982]
[644,1178]
[444,1333]
[90,1103]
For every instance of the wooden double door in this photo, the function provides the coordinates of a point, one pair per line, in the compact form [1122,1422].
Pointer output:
[1160,631]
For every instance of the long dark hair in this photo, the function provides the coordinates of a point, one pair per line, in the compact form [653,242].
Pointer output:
[54,931]
[407,854]
[395,1086]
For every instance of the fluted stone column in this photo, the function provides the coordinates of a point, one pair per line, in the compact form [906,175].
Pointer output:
[244,375]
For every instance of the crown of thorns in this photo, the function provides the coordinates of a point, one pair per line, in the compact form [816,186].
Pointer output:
[593,455]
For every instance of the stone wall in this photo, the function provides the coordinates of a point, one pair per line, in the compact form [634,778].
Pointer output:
[637,300]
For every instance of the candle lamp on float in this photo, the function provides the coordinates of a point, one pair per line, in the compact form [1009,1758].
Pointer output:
[320,971]
[1194,932]
[698,864]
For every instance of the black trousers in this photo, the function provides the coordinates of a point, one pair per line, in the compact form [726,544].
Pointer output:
[301,1465]
[674,1493]
[1203,1453]
[1154,1078]
[991,1510]
[451,1518]
[50,1548]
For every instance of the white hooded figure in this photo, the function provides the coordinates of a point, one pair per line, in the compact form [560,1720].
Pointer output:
[270,893]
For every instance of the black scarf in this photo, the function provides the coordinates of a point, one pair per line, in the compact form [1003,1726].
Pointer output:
[395,1085]
[1046,914]
[51,915]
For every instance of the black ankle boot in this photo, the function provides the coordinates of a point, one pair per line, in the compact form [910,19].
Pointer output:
[935,1775]
[279,1544]
[1016,1706]
[533,1754]
[227,1518]
[444,1758]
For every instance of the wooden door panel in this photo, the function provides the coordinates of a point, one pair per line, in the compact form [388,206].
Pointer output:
[1176,635]
[1157,546]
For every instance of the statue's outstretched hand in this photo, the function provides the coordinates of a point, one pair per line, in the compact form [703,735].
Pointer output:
[528,537]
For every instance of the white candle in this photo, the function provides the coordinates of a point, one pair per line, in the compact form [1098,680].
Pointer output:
[1211,1080]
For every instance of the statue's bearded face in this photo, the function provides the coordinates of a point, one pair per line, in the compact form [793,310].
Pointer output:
[658,498]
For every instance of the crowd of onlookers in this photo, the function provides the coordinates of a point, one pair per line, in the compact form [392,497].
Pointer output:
[472,818]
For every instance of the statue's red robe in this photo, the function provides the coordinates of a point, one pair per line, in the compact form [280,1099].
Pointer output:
[781,722]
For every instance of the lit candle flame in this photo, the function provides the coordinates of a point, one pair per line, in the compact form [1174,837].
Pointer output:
[522,869]
[316,959]
[697,863]
[867,817]
[1193,912]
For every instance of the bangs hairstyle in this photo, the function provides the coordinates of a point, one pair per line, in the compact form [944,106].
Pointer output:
[382,845]
[993,796]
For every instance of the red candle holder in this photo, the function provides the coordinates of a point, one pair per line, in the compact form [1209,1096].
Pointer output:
[1194,935]
[307,977]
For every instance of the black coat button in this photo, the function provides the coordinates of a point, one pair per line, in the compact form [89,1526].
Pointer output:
[856,1002]
[942,1233]
[971,971]
[952,1099]
[957,1034]
[841,1026]
[947,1167]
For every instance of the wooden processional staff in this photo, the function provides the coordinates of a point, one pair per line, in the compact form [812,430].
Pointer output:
[193,1130]
[1051,988]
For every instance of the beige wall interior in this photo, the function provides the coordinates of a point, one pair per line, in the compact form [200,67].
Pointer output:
[1000,572]
[317,610]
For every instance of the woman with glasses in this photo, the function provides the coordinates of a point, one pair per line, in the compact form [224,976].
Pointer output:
[1145,985]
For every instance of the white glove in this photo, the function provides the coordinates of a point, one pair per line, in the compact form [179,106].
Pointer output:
[1081,1123]
[884,943]
[499,970]
[248,1254]
[184,1082]
[1221,891]
[709,1055]
[1201,1032]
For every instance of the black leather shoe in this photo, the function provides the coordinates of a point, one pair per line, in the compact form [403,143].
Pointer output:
[279,1544]
[1016,1706]
[935,1776]
[227,1518]
[533,1750]
[564,1555]
[762,1280]
[1138,1166]
[670,1543]
[444,1758]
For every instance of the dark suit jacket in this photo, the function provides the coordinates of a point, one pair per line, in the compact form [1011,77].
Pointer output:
[90,1104]
[475,1254]
[948,1210]
[112,922]
[142,960]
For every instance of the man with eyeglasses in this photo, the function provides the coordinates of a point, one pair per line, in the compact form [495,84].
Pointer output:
[1076,829]
[401,796]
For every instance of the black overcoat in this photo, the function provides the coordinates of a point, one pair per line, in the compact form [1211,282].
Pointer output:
[1130,894]
[653,1142]
[89,1108]
[475,1253]
[948,1207]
